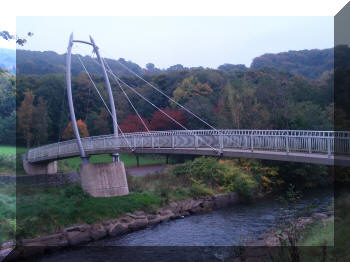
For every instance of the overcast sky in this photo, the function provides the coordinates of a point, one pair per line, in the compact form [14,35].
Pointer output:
[190,41]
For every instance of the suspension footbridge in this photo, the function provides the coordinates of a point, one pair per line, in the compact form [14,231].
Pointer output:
[307,146]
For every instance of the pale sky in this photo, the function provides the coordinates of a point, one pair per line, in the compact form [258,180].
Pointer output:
[190,41]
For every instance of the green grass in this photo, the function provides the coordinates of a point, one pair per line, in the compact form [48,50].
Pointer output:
[42,211]
[318,234]
[7,212]
[71,164]
[7,166]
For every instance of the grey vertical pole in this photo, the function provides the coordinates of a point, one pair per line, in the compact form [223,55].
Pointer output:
[84,157]
[110,94]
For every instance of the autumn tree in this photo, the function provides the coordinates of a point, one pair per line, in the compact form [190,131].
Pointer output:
[68,132]
[25,115]
[160,121]
[132,123]
[40,122]
[191,87]
[102,123]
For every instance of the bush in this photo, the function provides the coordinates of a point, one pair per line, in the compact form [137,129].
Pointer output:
[205,169]
[199,189]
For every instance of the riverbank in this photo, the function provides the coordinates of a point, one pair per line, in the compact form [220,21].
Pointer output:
[128,222]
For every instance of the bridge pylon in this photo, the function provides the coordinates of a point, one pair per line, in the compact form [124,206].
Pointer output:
[97,179]
[104,179]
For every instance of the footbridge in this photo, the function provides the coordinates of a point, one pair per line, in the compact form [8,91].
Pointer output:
[318,147]
[109,179]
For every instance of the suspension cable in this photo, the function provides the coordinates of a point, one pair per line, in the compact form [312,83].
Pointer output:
[162,111]
[127,97]
[107,108]
[161,92]
[143,97]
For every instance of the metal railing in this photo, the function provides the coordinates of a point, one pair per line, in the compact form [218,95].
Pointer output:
[303,141]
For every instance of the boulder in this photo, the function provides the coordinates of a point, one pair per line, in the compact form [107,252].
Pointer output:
[153,219]
[196,209]
[138,224]
[54,240]
[78,234]
[118,229]
[98,231]
[78,237]
[174,207]
[166,214]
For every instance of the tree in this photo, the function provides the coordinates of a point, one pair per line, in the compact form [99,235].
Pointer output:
[102,125]
[25,117]
[40,122]
[160,121]
[132,123]
[191,87]
[68,132]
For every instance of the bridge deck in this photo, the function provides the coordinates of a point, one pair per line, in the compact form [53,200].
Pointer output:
[318,147]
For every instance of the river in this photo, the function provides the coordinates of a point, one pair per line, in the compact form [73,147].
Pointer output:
[214,235]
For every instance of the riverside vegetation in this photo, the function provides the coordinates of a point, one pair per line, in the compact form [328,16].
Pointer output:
[45,210]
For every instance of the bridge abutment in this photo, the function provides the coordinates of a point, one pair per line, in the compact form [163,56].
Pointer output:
[40,168]
[104,179]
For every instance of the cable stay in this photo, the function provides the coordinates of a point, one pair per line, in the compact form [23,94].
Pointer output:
[107,108]
[118,81]
[127,97]
[162,111]
[161,92]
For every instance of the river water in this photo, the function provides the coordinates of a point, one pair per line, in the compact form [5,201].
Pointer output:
[214,235]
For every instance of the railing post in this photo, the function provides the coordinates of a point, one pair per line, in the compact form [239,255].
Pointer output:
[309,145]
[245,142]
[196,141]
[152,138]
[275,142]
[329,146]
[142,141]
[251,143]
[287,144]
[221,141]
[172,141]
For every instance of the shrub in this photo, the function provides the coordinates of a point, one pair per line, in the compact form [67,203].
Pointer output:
[205,169]
[199,189]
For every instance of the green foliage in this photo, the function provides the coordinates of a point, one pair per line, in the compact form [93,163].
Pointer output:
[205,169]
[45,210]
[7,164]
[7,212]
[200,189]
[206,175]
[309,63]
[233,97]
[7,108]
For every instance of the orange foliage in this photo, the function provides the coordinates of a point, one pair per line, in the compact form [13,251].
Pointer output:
[68,132]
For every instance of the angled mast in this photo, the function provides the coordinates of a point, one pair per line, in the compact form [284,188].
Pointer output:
[83,154]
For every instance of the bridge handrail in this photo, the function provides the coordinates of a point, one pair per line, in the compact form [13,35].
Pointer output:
[310,141]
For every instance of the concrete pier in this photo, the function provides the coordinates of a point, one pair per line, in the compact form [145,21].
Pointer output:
[104,179]
[40,168]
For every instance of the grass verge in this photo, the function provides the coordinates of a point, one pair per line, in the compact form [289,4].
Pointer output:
[42,211]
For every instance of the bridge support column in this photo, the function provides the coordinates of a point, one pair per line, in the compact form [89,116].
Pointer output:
[104,179]
[41,168]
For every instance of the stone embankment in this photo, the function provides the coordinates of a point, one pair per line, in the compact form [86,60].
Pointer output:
[268,244]
[81,234]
